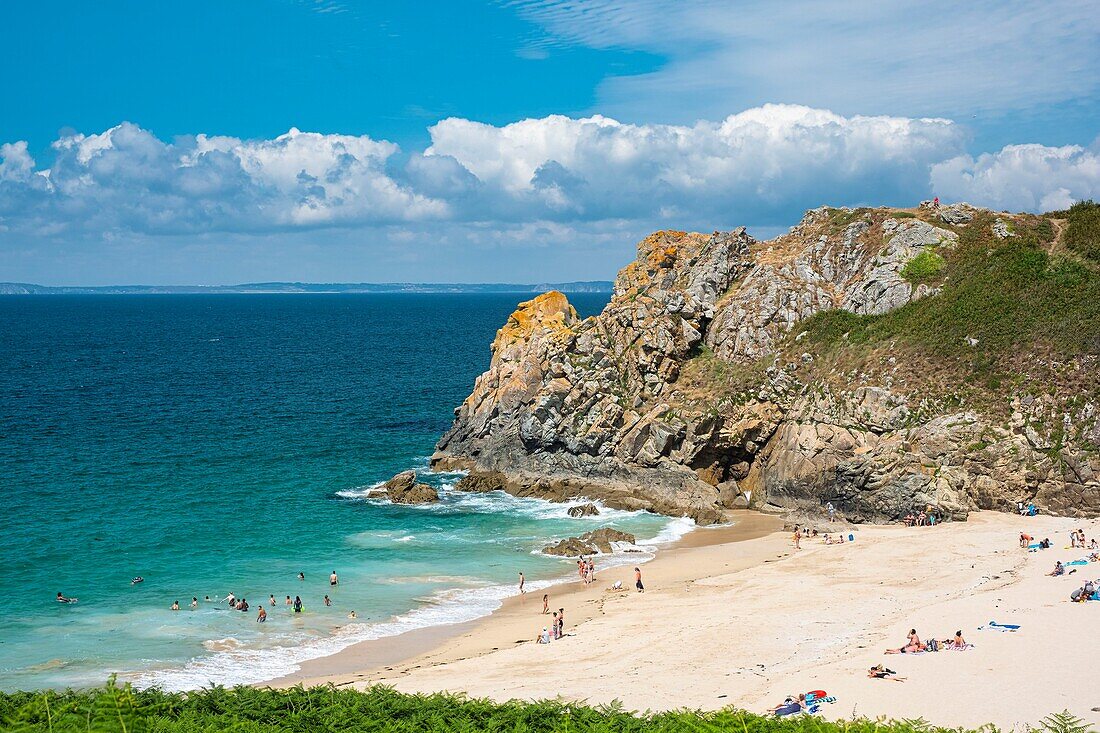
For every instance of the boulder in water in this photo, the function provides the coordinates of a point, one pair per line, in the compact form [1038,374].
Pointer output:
[584,510]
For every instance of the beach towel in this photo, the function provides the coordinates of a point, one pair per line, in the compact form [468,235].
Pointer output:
[791,709]
[1076,562]
[993,625]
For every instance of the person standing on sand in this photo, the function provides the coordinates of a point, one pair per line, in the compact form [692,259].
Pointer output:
[830,510]
[580,570]
[332,579]
[638,580]
[797,539]
[545,603]
[522,581]
[554,626]
[561,622]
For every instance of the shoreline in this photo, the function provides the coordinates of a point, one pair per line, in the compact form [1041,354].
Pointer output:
[440,643]
[745,622]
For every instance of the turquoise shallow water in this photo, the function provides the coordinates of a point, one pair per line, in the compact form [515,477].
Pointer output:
[224,443]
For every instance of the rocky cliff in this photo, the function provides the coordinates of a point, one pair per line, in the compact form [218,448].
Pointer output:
[884,360]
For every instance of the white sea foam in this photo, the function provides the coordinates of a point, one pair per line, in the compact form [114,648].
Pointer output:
[233,665]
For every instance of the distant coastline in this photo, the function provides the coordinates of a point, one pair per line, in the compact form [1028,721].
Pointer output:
[586,286]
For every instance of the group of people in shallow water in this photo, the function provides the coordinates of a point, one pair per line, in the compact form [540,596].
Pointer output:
[241,604]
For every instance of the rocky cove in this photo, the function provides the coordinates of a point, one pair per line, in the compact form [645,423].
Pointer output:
[867,358]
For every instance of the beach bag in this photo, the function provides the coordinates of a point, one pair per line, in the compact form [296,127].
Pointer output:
[932,645]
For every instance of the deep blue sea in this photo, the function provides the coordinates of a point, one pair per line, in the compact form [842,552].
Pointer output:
[224,443]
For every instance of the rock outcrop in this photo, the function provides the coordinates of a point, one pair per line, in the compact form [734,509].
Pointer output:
[583,510]
[590,543]
[693,393]
[405,489]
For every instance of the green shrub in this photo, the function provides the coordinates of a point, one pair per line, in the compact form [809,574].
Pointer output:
[329,709]
[923,267]
[1083,229]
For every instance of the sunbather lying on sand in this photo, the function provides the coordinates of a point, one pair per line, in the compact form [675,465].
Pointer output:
[913,646]
[789,706]
[879,672]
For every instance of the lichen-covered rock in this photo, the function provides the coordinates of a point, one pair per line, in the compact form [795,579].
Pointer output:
[404,489]
[643,406]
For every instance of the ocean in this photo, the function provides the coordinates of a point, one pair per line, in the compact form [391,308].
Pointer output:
[225,443]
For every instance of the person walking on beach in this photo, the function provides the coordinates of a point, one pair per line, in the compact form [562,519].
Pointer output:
[590,571]
[262,617]
[797,539]
[545,603]
[522,581]
[333,580]
[580,570]
[638,580]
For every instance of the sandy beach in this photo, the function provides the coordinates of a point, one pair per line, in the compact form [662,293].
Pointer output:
[736,616]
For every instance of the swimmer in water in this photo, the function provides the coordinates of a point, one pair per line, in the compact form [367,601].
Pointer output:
[272,599]
[136,580]
[64,599]
[328,601]
[332,579]
[262,617]
[175,605]
[194,603]
[301,576]
[352,615]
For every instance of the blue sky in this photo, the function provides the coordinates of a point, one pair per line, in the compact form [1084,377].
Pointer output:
[526,141]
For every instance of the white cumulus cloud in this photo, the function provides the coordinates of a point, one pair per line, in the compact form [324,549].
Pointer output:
[1021,177]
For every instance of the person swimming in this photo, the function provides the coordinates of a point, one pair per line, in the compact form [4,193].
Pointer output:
[61,598]
[328,601]
[137,579]
[301,576]
[175,605]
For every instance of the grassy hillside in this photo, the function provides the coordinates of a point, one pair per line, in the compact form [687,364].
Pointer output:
[327,709]
[1013,312]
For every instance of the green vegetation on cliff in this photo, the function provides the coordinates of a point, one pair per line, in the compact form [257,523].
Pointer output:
[1083,229]
[328,710]
[1004,302]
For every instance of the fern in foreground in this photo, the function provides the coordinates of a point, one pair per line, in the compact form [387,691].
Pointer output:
[328,709]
